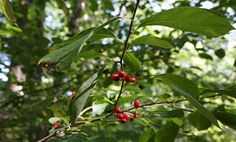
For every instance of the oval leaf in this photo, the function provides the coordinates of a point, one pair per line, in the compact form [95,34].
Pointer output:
[192,19]
[7,10]
[89,55]
[65,52]
[98,109]
[152,40]
[64,56]
[132,62]
[167,132]
[205,56]
[190,91]
[172,113]
[220,53]
[53,119]
[226,118]
[77,102]
[199,121]
[103,33]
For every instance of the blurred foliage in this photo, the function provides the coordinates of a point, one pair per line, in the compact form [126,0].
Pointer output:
[31,94]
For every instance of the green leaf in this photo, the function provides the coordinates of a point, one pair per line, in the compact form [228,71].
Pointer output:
[13,28]
[181,83]
[230,91]
[53,119]
[77,103]
[226,118]
[93,5]
[147,135]
[220,53]
[205,56]
[199,121]
[65,55]
[192,19]
[109,21]
[7,10]
[103,33]
[107,4]
[98,109]
[65,52]
[0,44]
[235,63]
[167,132]
[190,91]
[152,40]
[89,55]
[172,113]
[132,62]
[62,6]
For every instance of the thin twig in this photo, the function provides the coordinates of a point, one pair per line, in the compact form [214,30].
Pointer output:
[129,33]
[47,137]
[121,89]
[124,49]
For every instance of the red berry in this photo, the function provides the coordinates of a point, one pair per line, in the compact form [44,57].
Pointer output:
[56,124]
[127,78]
[136,104]
[119,115]
[115,77]
[126,116]
[122,74]
[123,120]
[117,110]
[130,78]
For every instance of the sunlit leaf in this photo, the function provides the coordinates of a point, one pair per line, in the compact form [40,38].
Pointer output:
[89,55]
[5,7]
[98,109]
[53,119]
[152,40]
[192,19]
[103,33]
[132,62]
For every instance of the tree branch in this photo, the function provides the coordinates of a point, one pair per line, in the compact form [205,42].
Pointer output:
[168,103]
[47,137]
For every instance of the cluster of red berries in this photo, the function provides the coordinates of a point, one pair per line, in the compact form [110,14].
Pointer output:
[56,124]
[122,74]
[126,116]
